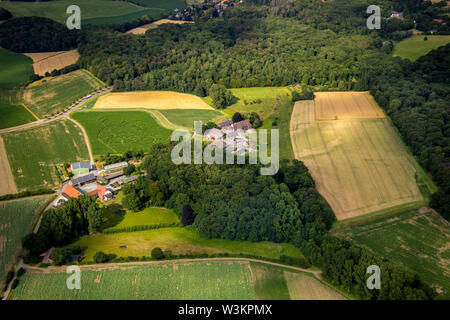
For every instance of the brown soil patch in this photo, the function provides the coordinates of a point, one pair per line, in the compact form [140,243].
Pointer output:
[48,61]
[7,183]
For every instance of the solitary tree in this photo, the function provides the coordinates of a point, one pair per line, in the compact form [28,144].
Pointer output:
[157,253]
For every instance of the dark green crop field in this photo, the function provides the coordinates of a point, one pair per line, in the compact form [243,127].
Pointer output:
[120,131]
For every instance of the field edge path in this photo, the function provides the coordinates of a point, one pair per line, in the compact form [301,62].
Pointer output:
[86,138]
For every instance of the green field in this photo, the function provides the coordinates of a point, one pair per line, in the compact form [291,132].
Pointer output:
[14,116]
[117,217]
[167,281]
[417,240]
[15,69]
[280,120]
[178,241]
[120,131]
[93,11]
[16,218]
[264,101]
[415,47]
[50,97]
[186,118]
[33,152]
[187,280]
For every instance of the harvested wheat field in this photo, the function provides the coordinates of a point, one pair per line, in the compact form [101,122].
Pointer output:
[303,287]
[156,24]
[162,100]
[346,105]
[7,184]
[48,61]
[358,165]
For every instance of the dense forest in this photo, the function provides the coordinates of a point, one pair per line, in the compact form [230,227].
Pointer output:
[416,96]
[35,34]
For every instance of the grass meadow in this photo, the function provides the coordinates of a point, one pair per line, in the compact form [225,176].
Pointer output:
[120,131]
[33,152]
[417,239]
[186,118]
[415,47]
[52,96]
[16,218]
[94,11]
[117,217]
[15,69]
[14,116]
[178,240]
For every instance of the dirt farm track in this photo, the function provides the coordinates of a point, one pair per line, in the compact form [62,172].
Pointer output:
[7,184]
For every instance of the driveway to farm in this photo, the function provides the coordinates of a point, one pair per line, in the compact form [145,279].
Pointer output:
[58,117]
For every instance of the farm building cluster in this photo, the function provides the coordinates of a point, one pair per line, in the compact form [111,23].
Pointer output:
[215,8]
[87,180]
[230,136]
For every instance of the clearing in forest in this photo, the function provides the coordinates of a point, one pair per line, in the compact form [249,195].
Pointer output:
[143,29]
[159,100]
[48,61]
[358,165]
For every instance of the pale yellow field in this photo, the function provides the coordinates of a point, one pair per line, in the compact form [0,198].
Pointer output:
[162,100]
[303,287]
[153,25]
[346,105]
[7,184]
[358,165]
[48,61]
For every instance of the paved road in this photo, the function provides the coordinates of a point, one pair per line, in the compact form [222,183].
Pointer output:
[58,117]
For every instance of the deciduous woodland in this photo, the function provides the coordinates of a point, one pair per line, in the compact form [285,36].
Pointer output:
[318,46]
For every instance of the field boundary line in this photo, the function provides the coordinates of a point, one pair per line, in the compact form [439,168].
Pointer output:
[375,215]
[29,110]
[86,137]
[160,118]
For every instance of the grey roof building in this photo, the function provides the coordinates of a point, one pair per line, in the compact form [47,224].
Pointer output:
[83,179]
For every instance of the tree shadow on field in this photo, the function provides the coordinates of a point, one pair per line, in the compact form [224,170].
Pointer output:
[113,214]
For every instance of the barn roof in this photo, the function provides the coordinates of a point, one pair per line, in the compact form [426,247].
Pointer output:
[81,165]
[83,179]
[242,125]
[225,124]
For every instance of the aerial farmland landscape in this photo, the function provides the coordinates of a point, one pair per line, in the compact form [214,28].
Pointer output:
[225,151]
